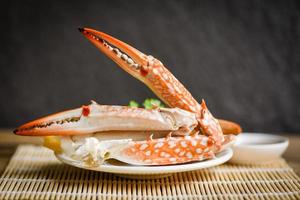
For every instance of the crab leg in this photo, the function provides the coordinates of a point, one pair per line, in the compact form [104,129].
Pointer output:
[163,151]
[153,73]
[97,118]
[167,151]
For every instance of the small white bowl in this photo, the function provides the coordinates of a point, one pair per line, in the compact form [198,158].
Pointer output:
[258,148]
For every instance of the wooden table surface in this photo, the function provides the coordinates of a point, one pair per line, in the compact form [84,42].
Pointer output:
[9,142]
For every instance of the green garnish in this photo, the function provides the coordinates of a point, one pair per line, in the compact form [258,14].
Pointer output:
[152,103]
[148,104]
[133,104]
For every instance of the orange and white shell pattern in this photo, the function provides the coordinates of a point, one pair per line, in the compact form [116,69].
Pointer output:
[166,151]
[162,151]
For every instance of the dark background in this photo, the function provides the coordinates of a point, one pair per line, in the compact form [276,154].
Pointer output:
[242,57]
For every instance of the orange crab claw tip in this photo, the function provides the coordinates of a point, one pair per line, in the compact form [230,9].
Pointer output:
[126,56]
[18,131]
[81,29]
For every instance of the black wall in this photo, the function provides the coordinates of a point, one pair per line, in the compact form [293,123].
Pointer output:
[242,57]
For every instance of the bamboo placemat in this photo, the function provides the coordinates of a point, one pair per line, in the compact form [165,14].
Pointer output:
[35,173]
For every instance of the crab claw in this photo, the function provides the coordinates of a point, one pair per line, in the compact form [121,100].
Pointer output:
[145,68]
[127,57]
[98,118]
[65,123]
[151,72]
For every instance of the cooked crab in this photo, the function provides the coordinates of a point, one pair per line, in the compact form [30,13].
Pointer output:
[138,136]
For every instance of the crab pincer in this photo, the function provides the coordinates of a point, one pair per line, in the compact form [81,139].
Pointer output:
[95,118]
[151,72]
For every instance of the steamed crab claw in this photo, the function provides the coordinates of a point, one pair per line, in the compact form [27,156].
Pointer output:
[98,118]
[128,58]
[151,72]
[143,67]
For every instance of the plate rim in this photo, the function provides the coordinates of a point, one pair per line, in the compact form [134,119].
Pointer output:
[220,158]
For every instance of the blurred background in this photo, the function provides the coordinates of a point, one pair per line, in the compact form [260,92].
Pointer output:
[242,57]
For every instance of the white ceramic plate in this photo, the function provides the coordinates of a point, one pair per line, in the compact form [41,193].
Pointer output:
[131,170]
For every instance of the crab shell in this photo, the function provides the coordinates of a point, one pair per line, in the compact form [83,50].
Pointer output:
[163,151]
[98,118]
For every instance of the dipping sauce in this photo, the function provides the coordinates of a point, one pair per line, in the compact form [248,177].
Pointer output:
[258,148]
